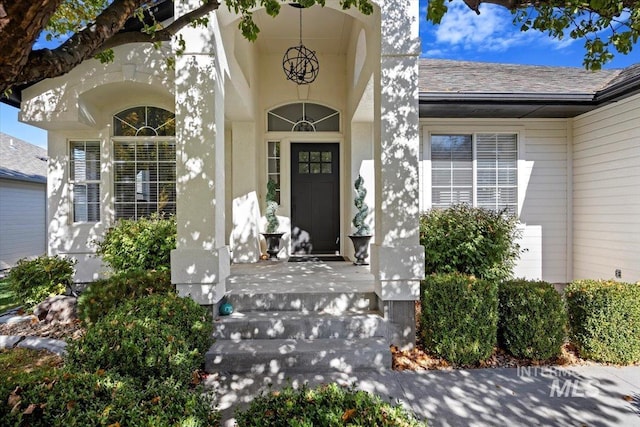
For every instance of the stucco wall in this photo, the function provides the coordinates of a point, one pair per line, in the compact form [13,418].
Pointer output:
[542,188]
[606,192]
[80,106]
[22,216]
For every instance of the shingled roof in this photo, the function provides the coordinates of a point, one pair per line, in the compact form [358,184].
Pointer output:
[479,89]
[22,161]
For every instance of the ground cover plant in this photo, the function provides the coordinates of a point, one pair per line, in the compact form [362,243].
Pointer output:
[459,317]
[158,336]
[8,299]
[104,295]
[32,281]
[105,399]
[326,405]
[472,241]
[532,319]
[140,244]
[604,318]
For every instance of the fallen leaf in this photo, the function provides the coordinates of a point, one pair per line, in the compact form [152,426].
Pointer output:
[348,414]
[628,398]
[30,409]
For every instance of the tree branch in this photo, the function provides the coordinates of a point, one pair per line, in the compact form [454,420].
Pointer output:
[102,34]
[164,34]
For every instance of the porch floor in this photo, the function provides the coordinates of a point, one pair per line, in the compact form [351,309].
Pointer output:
[299,277]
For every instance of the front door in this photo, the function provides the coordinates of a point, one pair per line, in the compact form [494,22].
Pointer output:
[315,198]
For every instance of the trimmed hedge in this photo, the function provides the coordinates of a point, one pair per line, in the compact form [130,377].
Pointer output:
[532,319]
[104,295]
[159,336]
[104,399]
[473,241]
[327,406]
[459,317]
[604,318]
[33,281]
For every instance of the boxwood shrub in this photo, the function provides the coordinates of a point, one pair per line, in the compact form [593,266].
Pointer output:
[105,399]
[532,319]
[326,405]
[141,244]
[32,281]
[159,336]
[459,317]
[474,241]
[104,295]
[604,318]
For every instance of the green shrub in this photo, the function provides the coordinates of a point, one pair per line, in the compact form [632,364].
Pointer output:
[104,295]
[532,319]
[142,244]
[103,399]
[473,241]
[32,281]
[604,319]
[327,406]
[459,317]
[159,336]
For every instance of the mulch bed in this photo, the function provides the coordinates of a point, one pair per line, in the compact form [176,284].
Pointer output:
[54,330]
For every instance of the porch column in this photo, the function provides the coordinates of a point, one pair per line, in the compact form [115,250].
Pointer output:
[397,259]
[200,262]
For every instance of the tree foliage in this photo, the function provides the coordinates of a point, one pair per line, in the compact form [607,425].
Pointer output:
[91,28]
[606,26]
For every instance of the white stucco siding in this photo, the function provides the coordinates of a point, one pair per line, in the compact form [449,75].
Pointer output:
[22,226]
[542,188]
[606,192]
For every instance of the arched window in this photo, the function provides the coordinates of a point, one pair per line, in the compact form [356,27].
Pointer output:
[303,117]
[144,162]
[144,121]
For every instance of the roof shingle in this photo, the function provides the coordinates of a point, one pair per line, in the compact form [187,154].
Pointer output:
[21,160]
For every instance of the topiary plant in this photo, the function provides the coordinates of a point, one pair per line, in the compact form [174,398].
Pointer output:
[359,220]
[272,206]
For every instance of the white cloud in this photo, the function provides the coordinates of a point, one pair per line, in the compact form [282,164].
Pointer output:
[491,31]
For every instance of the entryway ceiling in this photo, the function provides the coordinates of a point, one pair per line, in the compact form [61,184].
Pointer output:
[324,30]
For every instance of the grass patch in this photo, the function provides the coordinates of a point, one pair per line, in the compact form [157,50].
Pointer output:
[8,300]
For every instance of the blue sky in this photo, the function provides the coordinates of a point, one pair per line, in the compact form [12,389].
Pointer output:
[462,35]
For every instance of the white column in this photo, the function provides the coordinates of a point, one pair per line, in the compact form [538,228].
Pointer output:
[200,262]
[397,257]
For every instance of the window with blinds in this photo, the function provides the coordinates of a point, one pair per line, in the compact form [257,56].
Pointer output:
[476,169]
[84,176]
[144,178]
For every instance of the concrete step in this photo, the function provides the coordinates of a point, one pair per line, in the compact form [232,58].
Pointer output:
[296,325]
[273,356]
[336,302]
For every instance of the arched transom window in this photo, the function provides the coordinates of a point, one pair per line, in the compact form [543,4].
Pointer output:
[144,157]
[144,121]
[303,117]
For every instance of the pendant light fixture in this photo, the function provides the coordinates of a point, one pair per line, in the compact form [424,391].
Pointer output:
[300,64]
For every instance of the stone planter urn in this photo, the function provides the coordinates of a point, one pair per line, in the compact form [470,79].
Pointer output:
[361,247]
[273,244]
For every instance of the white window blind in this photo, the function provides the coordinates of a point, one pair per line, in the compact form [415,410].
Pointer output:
[85,180]
[477,169]
[144,178]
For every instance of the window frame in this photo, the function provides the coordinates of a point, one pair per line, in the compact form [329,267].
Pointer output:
[73,181]
[136,140]
[452,128]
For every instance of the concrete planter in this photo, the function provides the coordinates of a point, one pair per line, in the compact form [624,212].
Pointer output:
[361,247]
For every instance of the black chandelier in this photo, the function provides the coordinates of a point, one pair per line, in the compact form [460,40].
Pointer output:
[300,64]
